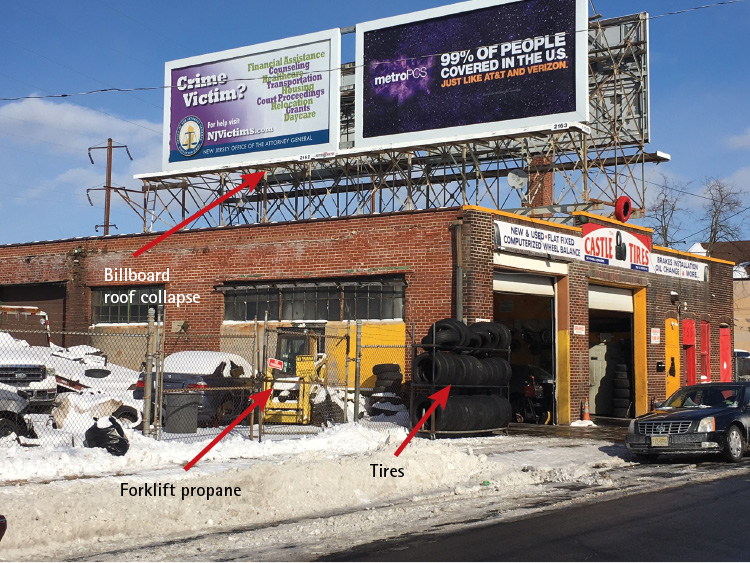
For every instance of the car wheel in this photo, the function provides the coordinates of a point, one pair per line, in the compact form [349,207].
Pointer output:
[735,445]
[8,427]
[646,458]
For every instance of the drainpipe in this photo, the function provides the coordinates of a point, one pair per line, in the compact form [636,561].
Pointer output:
[459,270]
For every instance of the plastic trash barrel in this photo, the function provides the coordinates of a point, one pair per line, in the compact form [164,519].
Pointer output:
[181,413]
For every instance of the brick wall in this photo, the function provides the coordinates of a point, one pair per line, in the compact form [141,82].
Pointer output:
[416,245]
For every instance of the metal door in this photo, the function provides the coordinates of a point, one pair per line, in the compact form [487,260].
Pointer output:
[725,354]
[672,355]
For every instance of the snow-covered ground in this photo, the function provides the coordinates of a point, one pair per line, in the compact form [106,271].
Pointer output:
[64,502]
[300,498]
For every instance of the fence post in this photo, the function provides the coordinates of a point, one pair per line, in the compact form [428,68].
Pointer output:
[261,414]
[148,394]
[159,374]
[357,368]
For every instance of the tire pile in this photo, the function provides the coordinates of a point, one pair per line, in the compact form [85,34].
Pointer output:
[621,395]
[457,354]
[387,396]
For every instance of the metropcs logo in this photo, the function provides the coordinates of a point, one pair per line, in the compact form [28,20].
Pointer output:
[605,245]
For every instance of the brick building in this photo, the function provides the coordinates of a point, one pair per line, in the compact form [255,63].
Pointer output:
[582,302]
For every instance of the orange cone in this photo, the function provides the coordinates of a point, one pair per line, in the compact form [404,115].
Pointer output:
[586,414]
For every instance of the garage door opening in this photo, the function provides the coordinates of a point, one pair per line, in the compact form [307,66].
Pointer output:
[611,354]
[49,297]
[525,304]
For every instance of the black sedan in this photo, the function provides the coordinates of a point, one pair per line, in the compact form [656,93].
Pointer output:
[706,418]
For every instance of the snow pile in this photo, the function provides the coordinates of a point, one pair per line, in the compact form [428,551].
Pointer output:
[337,470]
[64,462]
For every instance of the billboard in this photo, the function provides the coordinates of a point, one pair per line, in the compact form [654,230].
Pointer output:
[266,102]
[471,70]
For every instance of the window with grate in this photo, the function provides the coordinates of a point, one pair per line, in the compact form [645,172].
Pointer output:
[247,303]
[317,301]
[119,305]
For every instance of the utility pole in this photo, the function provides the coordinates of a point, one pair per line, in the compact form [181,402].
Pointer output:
[108,185]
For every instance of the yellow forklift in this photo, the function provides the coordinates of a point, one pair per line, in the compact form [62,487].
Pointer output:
[297,373]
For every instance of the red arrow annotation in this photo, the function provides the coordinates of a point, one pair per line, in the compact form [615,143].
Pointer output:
[440,398]
[259,400]
[249,182]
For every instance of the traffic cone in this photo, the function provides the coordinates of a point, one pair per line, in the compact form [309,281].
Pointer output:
[586,414]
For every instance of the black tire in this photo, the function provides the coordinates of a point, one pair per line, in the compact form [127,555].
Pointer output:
[618,383]
[388,376]
[447,333]
[620,403]
[126,414]
[476,341]
[484,337]
[383,368]
[621,375]
[379,389]
[621,412]
[8,427]
[734,447]
[504,341]
[621,367]
[621,393]
[647,458]
[491,330]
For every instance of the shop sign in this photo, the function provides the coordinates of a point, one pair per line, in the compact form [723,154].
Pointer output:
[679,268]
[509,236]
[655,336]
[601,245]
[614,247]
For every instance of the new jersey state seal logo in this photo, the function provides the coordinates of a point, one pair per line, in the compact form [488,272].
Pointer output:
[189,136]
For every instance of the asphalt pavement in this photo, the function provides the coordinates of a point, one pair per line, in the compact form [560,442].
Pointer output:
[697,522]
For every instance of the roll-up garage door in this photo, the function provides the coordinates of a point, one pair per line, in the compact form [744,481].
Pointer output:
[523,283]
[49,297]
[610,298]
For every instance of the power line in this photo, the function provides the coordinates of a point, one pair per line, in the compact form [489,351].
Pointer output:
[164,87]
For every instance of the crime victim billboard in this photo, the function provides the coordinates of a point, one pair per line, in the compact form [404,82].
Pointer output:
[271,101]
[472,69]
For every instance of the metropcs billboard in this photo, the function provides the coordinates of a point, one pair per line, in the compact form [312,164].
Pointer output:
[271,101]
[471,70]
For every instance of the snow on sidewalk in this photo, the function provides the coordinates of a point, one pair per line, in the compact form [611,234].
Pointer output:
[280,481]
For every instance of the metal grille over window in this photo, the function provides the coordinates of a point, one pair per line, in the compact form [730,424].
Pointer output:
[331,300]
[125,305]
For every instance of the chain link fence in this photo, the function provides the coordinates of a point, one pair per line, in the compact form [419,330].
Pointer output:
[319,376]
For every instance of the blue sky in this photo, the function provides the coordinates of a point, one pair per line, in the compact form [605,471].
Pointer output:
[699,92]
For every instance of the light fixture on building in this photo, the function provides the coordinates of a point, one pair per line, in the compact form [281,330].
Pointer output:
[674,296]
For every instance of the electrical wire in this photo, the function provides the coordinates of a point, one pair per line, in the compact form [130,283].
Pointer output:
[165,87]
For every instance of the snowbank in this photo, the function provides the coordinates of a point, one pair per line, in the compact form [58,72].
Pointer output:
[280,481]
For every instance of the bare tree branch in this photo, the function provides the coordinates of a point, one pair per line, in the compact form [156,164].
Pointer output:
[665,214]
[719,212]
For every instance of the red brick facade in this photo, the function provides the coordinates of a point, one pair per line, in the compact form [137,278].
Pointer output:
[421,246]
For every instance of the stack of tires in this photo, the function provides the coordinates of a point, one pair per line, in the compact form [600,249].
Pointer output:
[461,355]
[621,393]
[387,397]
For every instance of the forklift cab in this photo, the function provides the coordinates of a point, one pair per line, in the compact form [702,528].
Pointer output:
[301,350]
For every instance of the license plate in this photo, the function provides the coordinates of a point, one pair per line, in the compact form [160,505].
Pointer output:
[660,441]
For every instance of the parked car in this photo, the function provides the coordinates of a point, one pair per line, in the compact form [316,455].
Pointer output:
[698,419]
[13,415]
[23,368]
[221,380]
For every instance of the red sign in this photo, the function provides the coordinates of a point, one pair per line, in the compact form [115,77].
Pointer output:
[616,247]
[273,363]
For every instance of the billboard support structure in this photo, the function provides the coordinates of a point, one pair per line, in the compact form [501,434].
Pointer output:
[592,164]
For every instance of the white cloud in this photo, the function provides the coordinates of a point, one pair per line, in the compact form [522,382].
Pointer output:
[740,141]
